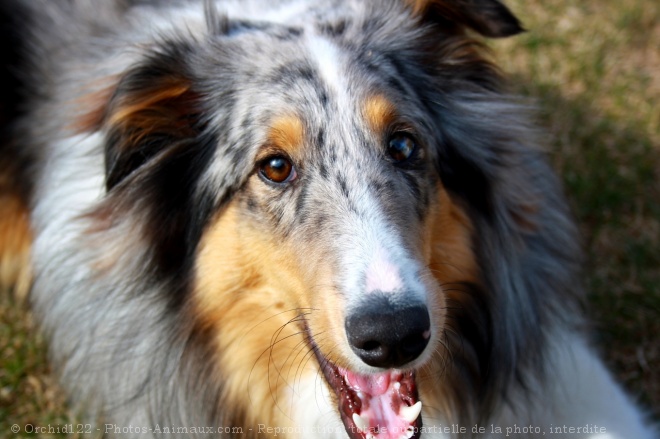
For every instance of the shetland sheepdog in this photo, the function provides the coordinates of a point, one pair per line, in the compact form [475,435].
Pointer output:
[302,219]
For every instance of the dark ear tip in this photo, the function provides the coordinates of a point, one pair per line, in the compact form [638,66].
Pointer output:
[509,30]
[500,23]
[490,18]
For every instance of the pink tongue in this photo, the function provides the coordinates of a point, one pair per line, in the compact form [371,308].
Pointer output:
[374,385]
[381,401]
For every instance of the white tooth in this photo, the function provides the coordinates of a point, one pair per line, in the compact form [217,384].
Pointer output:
[397,385]
[409,434]
[360,422]
[411,413]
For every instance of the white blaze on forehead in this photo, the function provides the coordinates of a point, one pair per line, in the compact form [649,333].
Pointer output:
[290,13]
[328,60]
[382,275]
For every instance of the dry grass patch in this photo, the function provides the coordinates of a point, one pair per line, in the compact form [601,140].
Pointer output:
[29,395]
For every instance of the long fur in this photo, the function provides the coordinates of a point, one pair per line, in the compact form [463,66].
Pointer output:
[178,289]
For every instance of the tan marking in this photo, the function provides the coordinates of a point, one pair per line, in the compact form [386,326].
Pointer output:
[148,105]
[452,257]
[447,247]
[92,105]
[166,107]
[287,133]
[15,243]
[249,294]
[418,6]
[379,112]
[165,110]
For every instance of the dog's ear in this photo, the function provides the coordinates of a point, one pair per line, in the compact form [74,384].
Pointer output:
[152,109]
[488,17]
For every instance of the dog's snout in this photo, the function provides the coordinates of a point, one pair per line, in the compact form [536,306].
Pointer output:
[385,335]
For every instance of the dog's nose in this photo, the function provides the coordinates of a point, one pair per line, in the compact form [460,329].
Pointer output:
[386,335]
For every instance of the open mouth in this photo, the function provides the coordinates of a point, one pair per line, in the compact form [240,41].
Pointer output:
[379,406]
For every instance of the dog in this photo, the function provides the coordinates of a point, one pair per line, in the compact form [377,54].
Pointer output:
[297,219]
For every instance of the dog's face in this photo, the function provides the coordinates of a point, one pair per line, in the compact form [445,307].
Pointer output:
[337,223]
[305,190]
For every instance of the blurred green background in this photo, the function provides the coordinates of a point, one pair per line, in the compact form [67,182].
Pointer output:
[593,67]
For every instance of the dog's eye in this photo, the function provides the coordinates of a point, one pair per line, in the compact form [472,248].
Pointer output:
[277,169]
[401,146]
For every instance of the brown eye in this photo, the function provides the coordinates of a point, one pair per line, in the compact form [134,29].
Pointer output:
[401,147]
[277,169]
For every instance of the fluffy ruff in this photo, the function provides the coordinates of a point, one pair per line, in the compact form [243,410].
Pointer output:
[299,219]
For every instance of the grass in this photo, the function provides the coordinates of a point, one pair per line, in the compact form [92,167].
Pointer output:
[594,69]
[28,393]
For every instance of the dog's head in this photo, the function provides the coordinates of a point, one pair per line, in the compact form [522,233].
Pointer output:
[343,190]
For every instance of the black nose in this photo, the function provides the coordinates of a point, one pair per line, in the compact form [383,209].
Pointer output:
[385,335]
